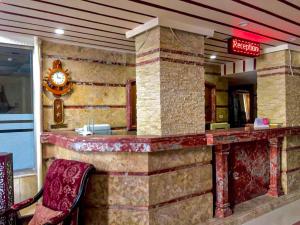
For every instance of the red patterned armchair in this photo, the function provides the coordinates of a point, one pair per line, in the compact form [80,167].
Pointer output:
[63,190]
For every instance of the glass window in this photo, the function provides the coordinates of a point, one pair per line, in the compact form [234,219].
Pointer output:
[16,106]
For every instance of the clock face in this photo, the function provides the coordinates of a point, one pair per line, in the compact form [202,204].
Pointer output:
[58,78]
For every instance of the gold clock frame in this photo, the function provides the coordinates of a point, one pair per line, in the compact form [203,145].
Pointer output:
[55,89]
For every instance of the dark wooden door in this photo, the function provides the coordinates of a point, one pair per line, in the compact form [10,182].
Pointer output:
[210,103]
[131,105]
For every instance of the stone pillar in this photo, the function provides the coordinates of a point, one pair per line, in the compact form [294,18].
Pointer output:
[6,186]
[278,98]
[170,82]
[222,195]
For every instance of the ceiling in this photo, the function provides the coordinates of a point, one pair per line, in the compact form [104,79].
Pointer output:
[103,23]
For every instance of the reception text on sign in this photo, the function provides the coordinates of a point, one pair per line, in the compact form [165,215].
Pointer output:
[243,47]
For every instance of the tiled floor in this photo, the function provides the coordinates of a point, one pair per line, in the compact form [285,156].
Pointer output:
[286,215]
[284,210]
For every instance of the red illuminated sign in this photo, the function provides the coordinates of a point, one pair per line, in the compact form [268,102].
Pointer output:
[243,47]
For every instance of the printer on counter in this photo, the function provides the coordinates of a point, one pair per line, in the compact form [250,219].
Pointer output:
[101,129]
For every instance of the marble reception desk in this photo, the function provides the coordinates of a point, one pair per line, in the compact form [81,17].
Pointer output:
[140,180]
[169,180]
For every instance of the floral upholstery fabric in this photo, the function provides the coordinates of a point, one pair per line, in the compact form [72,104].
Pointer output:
[43,215]
[63,180]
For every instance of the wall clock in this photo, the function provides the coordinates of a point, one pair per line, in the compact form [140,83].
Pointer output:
[58,82]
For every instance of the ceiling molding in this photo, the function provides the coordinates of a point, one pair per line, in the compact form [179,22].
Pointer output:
[169,23]
[281,48]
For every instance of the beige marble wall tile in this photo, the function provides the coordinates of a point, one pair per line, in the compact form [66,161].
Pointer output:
[17,197]
[169,159]
[52,48]
[102,216]
[169,39]
[211,68]
[116,198]
[87,71]
[271,60]
[27,187]
[171,185]
[148,104]
[293,181]
[293,159]
[293,94]
[182,98]
[192,211]
[91,95]
[271,98]
[75,118]
[170,95]
[106,190]
[291,141]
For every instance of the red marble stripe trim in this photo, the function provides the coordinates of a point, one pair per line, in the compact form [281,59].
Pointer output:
[279,73]
[233,66]
[88,60]
[221,106]
[212,73]
[278,67]
[221,90]
[182,61]
[119,128]
[169,51]
[154,206]
[112,173]
[97,84]
[293,148]
[150,61]
[88,106]
[291,170]
[165,59]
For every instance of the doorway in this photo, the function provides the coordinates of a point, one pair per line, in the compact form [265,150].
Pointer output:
[242,99]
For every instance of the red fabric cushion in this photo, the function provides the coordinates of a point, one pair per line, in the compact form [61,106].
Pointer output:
[62,183]
[43,215]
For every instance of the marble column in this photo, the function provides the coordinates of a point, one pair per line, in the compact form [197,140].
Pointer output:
[278,98]
[275,189]
[170,82]
[222,195]
[6,186]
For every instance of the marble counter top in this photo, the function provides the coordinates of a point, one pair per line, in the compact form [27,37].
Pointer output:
[133,143]
[122,143]
[245,134]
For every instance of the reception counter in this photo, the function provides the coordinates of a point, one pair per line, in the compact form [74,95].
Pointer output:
[170,180]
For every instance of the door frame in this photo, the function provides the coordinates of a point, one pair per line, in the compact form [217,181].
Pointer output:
[213,101]
[129,107]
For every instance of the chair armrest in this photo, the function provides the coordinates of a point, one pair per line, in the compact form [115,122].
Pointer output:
[25,203]
[58,219]
[22,204]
